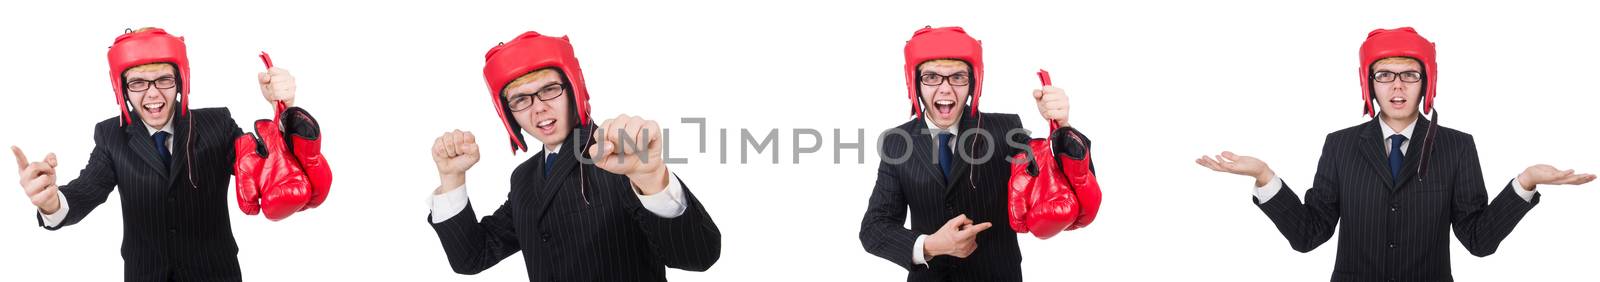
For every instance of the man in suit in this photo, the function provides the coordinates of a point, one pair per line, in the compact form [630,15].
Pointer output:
[949,165]
[170,166]
[593,206]
[1399,182]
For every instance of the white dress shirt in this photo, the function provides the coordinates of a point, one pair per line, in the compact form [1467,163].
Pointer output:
[666,204]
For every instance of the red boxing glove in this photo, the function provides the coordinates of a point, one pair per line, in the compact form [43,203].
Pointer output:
[1039,200]
[282,184]
[1080,176]
[305,141]
[246,167]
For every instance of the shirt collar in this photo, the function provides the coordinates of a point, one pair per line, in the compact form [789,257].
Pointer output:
[936,130]
[1388,131]
[164,128]
[548,150]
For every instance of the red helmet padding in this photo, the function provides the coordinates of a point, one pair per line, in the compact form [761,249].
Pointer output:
[527,53]
[952,42]
[146,47]
[1399,42]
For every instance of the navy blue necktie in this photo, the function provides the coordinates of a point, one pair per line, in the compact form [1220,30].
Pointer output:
[1396,159]
[161,147]
[944,153]
[549,160]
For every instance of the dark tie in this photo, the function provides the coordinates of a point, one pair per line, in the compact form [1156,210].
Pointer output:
[1396,159]
[944,153]
[161,147]
[549,160]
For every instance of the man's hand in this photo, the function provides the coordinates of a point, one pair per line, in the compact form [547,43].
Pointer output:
[1549,175]
[454,153]
[277,85]
[38,181]
[1052,102]
[1241,165]
[958,238]
[640,159]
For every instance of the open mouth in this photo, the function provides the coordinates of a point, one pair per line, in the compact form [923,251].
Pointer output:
[152,109]
[944,107]
[1397,102]
[547,126]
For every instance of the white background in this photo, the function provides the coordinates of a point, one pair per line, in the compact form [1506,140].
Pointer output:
[1154,83]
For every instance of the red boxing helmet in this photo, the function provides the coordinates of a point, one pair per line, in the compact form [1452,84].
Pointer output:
[1399,42]
[147,46]
[952,42]
[527,53]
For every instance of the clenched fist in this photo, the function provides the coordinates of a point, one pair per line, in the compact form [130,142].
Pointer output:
[277,85]
[1052,102]
[454,153]
[631,146]
[38,181]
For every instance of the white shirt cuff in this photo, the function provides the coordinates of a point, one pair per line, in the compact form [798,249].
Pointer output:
[1526,195]
[917,253]
[53,220]
[668,203]
[449,204]
[1265,193]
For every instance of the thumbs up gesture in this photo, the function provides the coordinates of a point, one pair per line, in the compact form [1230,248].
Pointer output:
[38,181]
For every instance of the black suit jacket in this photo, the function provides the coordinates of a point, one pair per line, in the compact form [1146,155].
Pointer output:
[598,231]
[977,190]
[1397,232]
[174,218]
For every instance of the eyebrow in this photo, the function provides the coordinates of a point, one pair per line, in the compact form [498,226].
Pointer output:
[956,73]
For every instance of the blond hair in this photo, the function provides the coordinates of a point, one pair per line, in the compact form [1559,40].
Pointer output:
[943,62]
[1397,60]
[530,77]
[151,67]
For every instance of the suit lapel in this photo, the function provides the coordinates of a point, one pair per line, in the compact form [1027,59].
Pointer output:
[550,185]
[961,168]
[923,154]
[180,128]
[139,141]
[1370,147]
[1414,152]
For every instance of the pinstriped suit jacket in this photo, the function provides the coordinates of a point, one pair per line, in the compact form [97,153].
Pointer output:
[568,232]
[976,190]
[1396,232]
[174,218]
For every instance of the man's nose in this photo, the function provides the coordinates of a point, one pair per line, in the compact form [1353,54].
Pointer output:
[944,88]
[153,94]
[539,106]
[1398,87]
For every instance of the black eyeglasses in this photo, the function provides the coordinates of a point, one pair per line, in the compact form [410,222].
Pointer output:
[957,79]
[140,85]
[1389,76]
[523,101]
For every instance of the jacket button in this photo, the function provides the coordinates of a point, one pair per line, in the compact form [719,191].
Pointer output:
[544,237]
[1391,245]
[172,230]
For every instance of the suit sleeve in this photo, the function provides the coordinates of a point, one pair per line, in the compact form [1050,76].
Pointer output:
[1310,224]
[473,245]
[94,182]
[233,132]
[689,242]
[1481,227]
[883,231]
